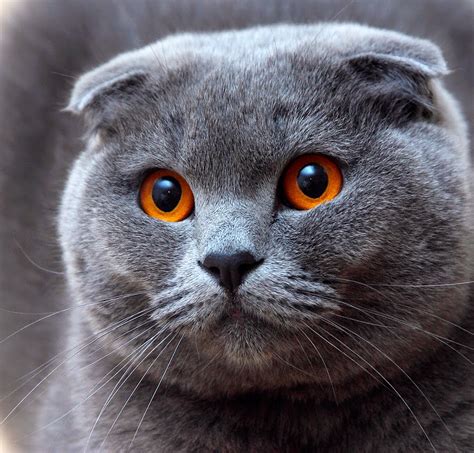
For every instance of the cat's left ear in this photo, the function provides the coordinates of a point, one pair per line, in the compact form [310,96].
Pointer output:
[394,72]
[372,47]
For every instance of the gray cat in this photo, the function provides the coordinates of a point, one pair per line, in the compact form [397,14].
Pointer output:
[267,237]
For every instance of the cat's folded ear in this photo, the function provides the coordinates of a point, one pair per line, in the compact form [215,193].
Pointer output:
[111,82]
[393,72]
[371,46]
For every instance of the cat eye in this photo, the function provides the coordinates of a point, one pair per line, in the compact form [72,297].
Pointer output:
[310,180]
[165,195]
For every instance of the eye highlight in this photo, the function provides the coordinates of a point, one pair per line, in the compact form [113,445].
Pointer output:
[310,180]
[165,195]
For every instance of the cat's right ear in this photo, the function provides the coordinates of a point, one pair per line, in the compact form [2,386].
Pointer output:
[102,94]
[111,82]
[102,85]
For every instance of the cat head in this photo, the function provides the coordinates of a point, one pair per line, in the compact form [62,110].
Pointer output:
[184,233]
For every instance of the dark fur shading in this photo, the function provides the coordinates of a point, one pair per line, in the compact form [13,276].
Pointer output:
[45,46]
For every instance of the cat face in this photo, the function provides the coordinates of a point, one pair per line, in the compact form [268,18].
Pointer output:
[320,292]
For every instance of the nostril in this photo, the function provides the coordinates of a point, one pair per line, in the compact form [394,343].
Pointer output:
[214,270]
[247,267]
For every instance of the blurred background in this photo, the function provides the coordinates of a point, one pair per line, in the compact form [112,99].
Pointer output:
[5,446]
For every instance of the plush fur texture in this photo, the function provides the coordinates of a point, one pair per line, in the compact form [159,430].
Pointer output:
[355,331]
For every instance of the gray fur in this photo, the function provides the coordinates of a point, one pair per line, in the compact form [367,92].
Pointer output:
[354,334]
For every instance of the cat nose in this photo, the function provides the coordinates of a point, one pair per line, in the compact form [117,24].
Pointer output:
[230,269]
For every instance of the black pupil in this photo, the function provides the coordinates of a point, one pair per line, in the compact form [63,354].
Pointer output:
[166,193]
[313,180]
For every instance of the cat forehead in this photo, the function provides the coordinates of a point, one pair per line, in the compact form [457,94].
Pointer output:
[227,117]
[222,110]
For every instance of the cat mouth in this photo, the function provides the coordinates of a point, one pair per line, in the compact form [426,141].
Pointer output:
[236,312]
[241,312]
[249,310]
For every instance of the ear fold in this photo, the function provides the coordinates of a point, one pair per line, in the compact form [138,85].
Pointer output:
[393,72]
[94,88]
[113,80]
[413,54]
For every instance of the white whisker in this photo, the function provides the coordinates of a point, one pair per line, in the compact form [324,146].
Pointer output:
[134,390]
[126,374]
[378,373]
[154,394]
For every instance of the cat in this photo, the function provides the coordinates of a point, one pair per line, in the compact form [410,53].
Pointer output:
[249,321]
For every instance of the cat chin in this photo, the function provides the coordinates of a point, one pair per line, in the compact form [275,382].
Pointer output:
[236,363]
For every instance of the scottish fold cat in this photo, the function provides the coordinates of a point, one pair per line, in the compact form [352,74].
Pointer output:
[266,227]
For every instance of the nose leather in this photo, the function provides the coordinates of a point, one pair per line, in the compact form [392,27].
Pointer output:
[230,269]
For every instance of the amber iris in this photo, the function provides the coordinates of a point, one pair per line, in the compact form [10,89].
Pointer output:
[165,195]
[310,180]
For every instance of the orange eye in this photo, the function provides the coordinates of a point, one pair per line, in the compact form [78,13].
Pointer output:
[310,180]
[166,196]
